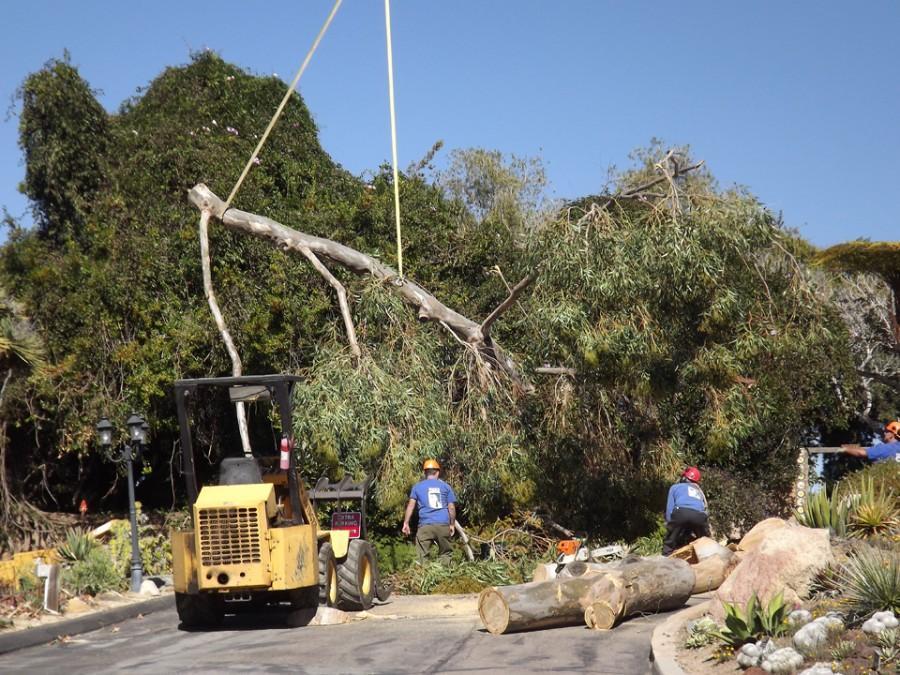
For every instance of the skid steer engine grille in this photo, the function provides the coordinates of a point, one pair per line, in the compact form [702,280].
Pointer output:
[229,536]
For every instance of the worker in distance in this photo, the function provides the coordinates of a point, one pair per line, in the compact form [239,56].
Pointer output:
[436,503]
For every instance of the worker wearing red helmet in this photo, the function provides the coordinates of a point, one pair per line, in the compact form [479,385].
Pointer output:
[686,517]
[889,449]
[437,512]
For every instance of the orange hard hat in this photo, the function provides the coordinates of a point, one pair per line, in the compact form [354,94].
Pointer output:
[431,464]
[893,427]
[692,473]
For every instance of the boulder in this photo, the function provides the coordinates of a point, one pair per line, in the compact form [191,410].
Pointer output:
[759,532]
[786,560]
[149,587]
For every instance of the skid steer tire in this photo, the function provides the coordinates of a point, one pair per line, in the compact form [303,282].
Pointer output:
[198,611]
[328,576]
[357,576]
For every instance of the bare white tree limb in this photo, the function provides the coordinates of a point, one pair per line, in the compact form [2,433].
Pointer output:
[236,367]
[342,298]
[506,304]
[428,307]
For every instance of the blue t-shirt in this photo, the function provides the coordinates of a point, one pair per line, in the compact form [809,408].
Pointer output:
[883,451]
[685,495]
[432,496]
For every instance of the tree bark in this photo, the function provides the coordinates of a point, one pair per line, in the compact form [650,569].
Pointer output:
[428,307]
[649,586]
[619,589]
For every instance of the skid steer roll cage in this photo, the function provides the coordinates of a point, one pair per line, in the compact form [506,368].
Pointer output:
[244,388]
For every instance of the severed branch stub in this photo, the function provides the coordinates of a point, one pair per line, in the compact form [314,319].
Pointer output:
[427,306]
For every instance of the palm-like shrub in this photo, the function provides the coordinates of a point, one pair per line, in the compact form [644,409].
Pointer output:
[820,511]
[77,546]
[871,582]
[875,512]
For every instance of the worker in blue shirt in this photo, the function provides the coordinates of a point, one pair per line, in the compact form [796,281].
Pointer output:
[889,449]
[686,517]
[437,512]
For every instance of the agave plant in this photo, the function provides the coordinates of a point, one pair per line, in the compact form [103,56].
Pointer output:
[77,547]
[871,582]
[832,513]
[875,513]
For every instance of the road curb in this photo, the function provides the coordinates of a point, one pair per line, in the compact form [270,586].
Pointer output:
[29,637]
[664,641]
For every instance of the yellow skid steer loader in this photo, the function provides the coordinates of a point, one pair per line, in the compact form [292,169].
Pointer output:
[255,538]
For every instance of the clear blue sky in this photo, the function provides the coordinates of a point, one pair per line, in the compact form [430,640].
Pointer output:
[798,101]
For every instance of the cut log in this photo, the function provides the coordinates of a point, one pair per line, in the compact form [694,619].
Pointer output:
[645,587]
[623,587]
[710,572]
[546,604]
[544,572]
[578,568]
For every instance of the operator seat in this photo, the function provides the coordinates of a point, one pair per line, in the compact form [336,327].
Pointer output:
[239,471]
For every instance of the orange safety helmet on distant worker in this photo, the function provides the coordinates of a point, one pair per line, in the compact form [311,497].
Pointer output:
[692,473]
[893,427]
[431,464]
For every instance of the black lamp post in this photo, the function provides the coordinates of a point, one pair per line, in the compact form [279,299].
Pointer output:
[138,431]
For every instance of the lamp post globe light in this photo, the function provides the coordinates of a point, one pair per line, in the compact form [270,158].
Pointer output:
[138,432]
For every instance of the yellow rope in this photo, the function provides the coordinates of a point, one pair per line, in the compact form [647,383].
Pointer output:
[284,101]
[390,58]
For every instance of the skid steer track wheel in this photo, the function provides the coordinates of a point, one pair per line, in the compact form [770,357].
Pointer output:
[196,611]
[357,576]
[328,579]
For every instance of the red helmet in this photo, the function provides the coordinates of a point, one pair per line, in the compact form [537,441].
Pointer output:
[692,473]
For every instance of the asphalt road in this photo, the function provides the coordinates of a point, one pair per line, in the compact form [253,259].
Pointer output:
[261,644]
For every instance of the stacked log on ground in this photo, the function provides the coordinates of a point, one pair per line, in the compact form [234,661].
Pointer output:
[611,591]
[711,562]
[579,568]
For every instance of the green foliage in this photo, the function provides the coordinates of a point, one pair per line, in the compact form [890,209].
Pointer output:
[94,574]
[394,553]
[701,633]
[842,649]
[31,589]
[155,548]
[652,544]
[871,582]
[693,331]
[820,511]
[875,511]
[884,474]
[753,621]
[456,578]
[888,646]
[77,547]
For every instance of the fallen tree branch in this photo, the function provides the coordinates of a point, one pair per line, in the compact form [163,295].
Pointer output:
[893,382]
[555,370]
[342,299]
[428,307]
[506,304]
[236,367]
